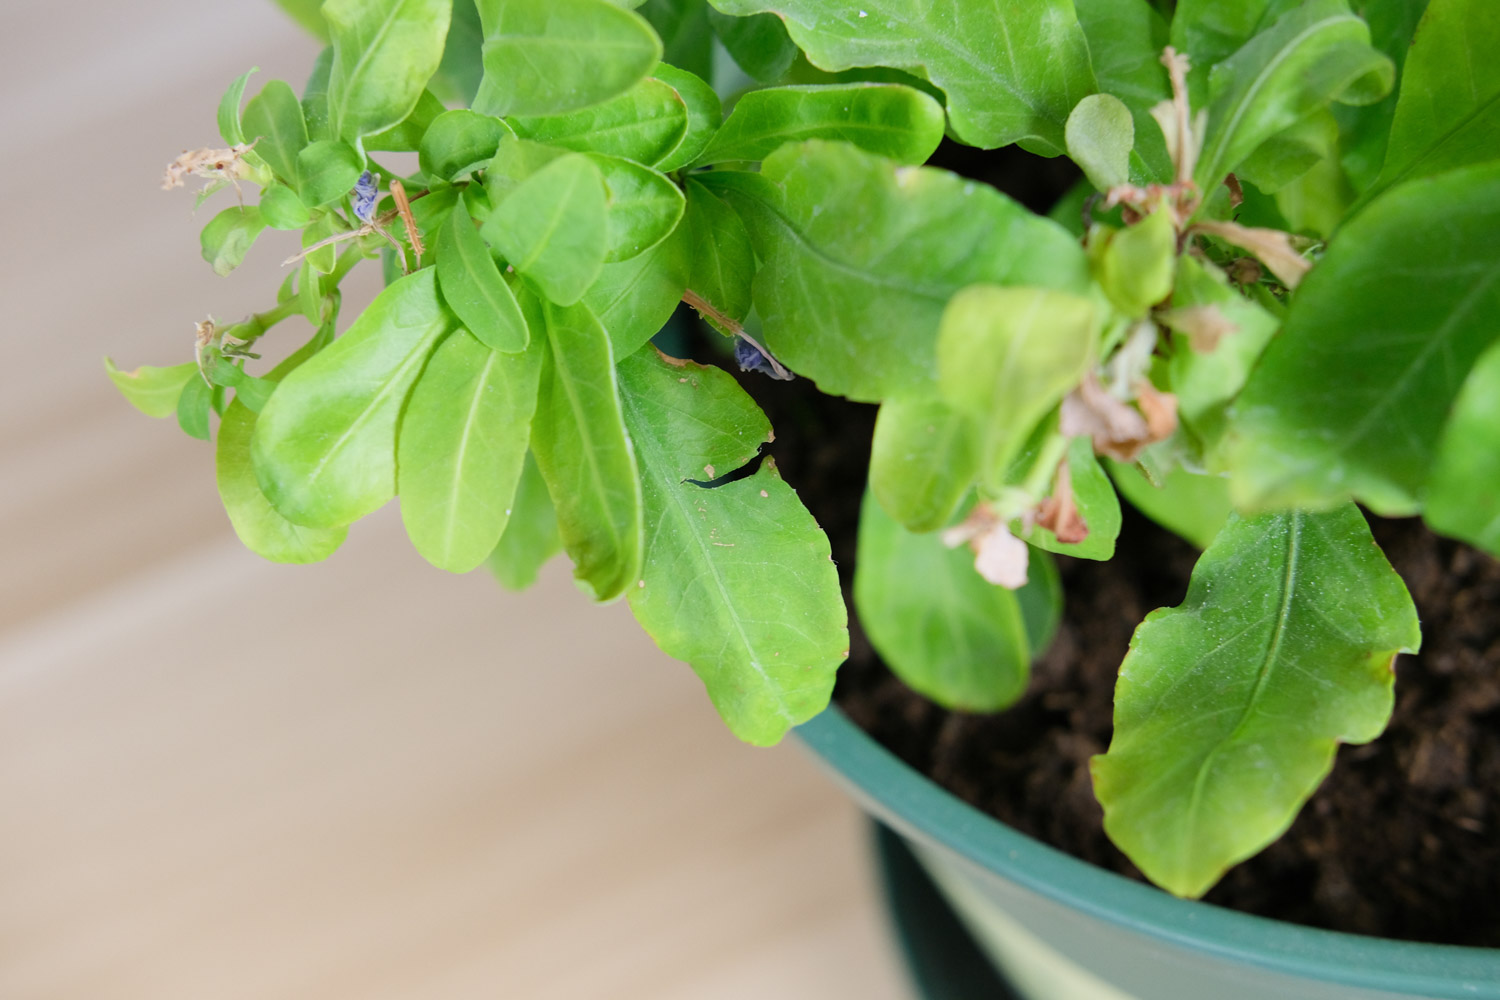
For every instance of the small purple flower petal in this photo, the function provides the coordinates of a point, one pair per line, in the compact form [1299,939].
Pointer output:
[365,194]
[751,359]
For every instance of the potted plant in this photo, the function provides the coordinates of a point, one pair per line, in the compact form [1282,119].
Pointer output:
[1274,295]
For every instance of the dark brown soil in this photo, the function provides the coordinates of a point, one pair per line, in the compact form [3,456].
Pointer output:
[1403,840]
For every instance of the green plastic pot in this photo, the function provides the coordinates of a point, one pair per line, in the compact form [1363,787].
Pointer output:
[1062,929]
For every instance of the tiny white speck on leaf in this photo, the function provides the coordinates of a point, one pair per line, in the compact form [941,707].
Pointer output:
[863,14]
[764,493]
[709,469]
[641,584]
[682,380]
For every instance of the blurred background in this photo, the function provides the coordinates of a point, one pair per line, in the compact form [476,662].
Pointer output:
[221,778]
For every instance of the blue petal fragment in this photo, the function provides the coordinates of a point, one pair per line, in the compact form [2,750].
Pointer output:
[751,359]
[365,194]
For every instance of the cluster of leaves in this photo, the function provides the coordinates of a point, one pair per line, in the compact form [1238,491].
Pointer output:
[1274,295]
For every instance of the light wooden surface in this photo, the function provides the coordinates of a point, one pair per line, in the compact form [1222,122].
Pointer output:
[367,779]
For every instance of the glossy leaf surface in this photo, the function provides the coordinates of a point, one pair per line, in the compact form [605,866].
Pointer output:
[723,261]
[1192,506]
[1463,494]
[1230,707]
[585,455]
[259,526]
[1126,39]
[634,299]
[1007,356]
[549,57]
[759,44]
[644,206]
[1351,398]
[327,170]
[325,445]
[1314,54]
[1100,136]
[1448,114]
[463,439]
[738,580]
[552,227]
[384,52]
[1011,74]
[644,124]
[273,121]
[530,538]
[705,114]
[228,237]
[941,627]
[460,141]
[230,126]
[923,460]
[886,119]
[474,288]
[152,390]
[859,258]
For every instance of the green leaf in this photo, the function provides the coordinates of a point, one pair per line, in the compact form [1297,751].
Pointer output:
[474,288]
[1100,135]
[1192,506]
[758,44]
[1136,265]
[644,124]
[325,445]
[530,537]
[229,109]
[723,262]
[1205,382]
[860,256]
[552,227]
[1316,53]
[644,206]
[315,97]
[460,141]
[274,121]
[686,38]
[307,13]
[1365,130]
[1351,398]
[1463,493]
[1210,31]
[328,170]
[152,390]
[458,75]
[406,135]
[384,52]
[738,580]
[1448,114]
[585,455]
[253,393]
[325,258]
[549,57]
[309,291]
[1098,505]
[228,237]
[460,449]
[193,406]
[634,299]
[923,460]
[258,525]
[1126,39]
[941,627]
[1011,74]
[1007,356]
[886,119]
[282,209]
[705,115]
[1229,708]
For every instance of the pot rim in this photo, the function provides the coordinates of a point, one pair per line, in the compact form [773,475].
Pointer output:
[921,809]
